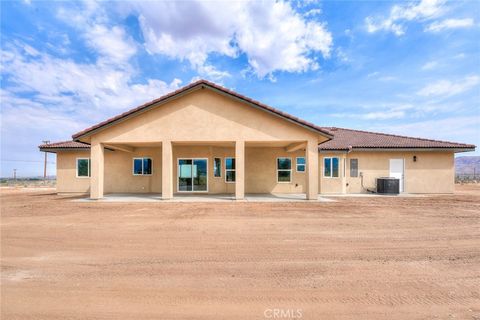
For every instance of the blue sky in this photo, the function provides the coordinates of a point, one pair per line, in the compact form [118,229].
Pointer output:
[410,68]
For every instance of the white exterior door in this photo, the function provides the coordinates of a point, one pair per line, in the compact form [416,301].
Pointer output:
[397,171]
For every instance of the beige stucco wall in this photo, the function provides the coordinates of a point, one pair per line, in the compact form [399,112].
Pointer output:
[119,175]
[204,115]
[260,168]
[260,175]
[67,180]
[261,171]
[433,172]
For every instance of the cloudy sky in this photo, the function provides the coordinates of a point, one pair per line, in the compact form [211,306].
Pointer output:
[409,68]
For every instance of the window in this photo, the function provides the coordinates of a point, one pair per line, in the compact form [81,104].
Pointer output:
[217,167]
[83,167]
[353,167]
[300,164]
[284,170]
[330,167]
[142,166]
[230,170]
[192,175]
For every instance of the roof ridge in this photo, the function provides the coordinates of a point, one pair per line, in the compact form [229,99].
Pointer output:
[398,136]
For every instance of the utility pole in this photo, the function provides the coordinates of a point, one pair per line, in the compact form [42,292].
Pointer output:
[15,174]
[45,163]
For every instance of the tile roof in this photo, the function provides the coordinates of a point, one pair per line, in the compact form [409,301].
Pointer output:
[210,85]
[345,139]
[65,145]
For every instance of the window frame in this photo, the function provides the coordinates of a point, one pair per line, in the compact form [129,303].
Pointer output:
[234,170]
[304,165]
[290,170]
[350,167]
[143,169]
[331,176]
[219,171]
[89,171]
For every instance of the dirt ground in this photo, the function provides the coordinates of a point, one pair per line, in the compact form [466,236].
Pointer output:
[357,258]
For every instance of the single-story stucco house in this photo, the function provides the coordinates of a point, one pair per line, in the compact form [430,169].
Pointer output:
[204,138]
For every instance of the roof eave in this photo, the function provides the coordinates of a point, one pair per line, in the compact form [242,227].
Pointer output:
[332,150]
[55,150]
[454,149]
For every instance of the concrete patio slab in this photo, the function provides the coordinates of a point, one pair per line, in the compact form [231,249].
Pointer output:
[376,195]
[157,197]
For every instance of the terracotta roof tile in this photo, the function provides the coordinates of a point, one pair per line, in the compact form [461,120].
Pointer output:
[345,139]
[65,145]
[191,86]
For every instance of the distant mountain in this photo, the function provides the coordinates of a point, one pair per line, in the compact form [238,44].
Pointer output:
[467,165]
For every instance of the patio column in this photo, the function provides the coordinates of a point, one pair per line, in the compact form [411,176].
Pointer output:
[344,173]
[167,170]
[312,170]
[97,170]
[239,170]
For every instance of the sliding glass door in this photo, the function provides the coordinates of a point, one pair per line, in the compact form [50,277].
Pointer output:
[192,175]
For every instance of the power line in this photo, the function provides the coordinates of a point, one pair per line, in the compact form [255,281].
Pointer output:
[8,160]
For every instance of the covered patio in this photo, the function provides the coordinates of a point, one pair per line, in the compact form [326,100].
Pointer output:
[192,170]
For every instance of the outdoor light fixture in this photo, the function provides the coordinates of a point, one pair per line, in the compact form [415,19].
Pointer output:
[414,158]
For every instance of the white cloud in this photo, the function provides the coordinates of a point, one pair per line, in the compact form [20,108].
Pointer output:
[63,97]
[30,50]
[111,43]
[447,88]
[424,10]
[379,115]
[273,36]
[306,3]
[388,112]
[450,24]
[391,111]
[313,12]
[387,78]
[342,55]
[384,115]
[378,76]
[20,138]
[430,65]
[98,86]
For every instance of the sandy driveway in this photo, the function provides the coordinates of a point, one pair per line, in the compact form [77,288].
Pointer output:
[358,258]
